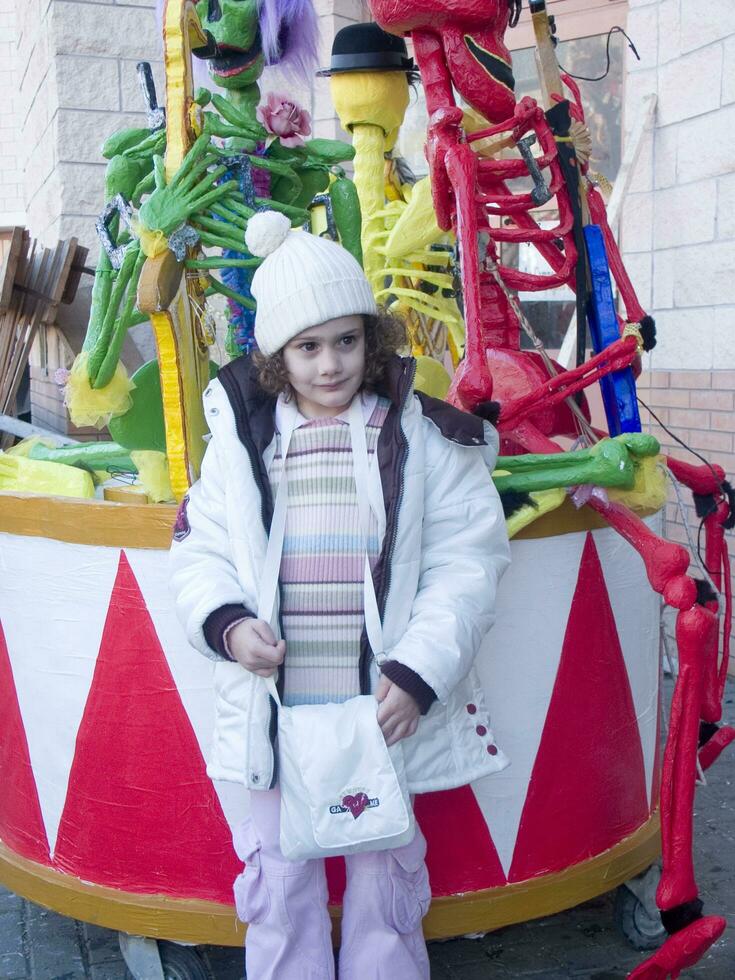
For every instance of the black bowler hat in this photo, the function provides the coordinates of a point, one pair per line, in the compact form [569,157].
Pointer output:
[367,47]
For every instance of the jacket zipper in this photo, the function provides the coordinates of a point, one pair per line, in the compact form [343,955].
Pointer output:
[393,533]
[401,488]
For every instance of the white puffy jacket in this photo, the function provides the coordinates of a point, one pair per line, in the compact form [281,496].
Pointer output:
[448,549]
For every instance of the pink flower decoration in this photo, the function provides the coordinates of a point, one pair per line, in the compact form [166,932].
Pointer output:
[285,119]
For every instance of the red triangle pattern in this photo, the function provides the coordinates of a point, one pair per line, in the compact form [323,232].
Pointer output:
[461,853]
[587,790]
[141,814]
[21,822]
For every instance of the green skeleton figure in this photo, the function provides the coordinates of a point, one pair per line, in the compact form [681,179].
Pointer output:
[214,193]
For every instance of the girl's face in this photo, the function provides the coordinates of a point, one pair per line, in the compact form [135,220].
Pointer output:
[326,365]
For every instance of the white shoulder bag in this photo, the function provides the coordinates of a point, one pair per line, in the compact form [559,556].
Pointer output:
[342,789]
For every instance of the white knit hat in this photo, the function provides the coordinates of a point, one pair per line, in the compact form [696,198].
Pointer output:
[303,281]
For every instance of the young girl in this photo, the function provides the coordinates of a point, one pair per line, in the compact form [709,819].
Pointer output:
[437,546]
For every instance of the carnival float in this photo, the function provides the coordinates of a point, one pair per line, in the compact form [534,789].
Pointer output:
[108,814]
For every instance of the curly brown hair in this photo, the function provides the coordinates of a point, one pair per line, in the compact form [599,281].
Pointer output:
[385,335]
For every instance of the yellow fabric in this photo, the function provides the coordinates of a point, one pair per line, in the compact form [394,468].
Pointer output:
[96,406]
[545,501]
[23,448]
[21,475]
[153,474]
[649,491]
[633,330]
[431,377]
[153,243]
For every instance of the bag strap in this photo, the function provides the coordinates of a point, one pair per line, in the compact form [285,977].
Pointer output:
[268,595]
[360,462]
[267,599]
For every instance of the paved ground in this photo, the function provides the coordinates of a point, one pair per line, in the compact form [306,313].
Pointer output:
[39,945]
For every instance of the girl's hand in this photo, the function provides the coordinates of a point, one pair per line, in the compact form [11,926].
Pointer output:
[398,714]
[253,644]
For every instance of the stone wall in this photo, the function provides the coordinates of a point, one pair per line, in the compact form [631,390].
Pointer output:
[678,231]
[12,210]
[77,83]
[73,69]
[95,48]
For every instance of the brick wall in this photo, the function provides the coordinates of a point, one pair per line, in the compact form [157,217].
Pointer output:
[697,406]
[678,231]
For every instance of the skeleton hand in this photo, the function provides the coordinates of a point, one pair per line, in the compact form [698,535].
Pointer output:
[193,189]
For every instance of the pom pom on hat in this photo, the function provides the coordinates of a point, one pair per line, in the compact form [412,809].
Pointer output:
[266,230]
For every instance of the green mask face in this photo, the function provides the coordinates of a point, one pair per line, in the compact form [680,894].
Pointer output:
[234,25]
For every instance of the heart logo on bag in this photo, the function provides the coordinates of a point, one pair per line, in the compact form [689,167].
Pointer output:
[356,804]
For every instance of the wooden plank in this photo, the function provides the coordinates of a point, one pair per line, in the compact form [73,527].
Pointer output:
[634,144]
[36,276]
[10,267]
[546,63]
[34,283]
[75,273]
[49,287]
[63,261]
[14,314]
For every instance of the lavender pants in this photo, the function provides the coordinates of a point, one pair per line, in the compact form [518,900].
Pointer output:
[285,905]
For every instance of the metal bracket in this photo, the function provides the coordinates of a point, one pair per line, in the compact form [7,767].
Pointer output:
[244,173]
[326,201]
[141,957]
[540,193]
[156,114]
[120,207]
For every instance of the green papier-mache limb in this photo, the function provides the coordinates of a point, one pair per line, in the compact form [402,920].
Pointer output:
[124,140]
[106,342]
[101,292]
[328,153]
[91,456]
[347,215]
[249,126]
[610,463]
[121,325]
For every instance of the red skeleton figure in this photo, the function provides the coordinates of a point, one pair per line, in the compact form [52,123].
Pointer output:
[459,45]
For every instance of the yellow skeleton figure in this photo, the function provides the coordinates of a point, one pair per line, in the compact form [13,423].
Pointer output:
[397,234]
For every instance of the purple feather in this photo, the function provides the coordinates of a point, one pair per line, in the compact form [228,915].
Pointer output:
[289,33]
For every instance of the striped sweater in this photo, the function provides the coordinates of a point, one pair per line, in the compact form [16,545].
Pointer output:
[322,566]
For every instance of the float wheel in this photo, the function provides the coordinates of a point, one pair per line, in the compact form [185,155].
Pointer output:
[641,926]
[181,962]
